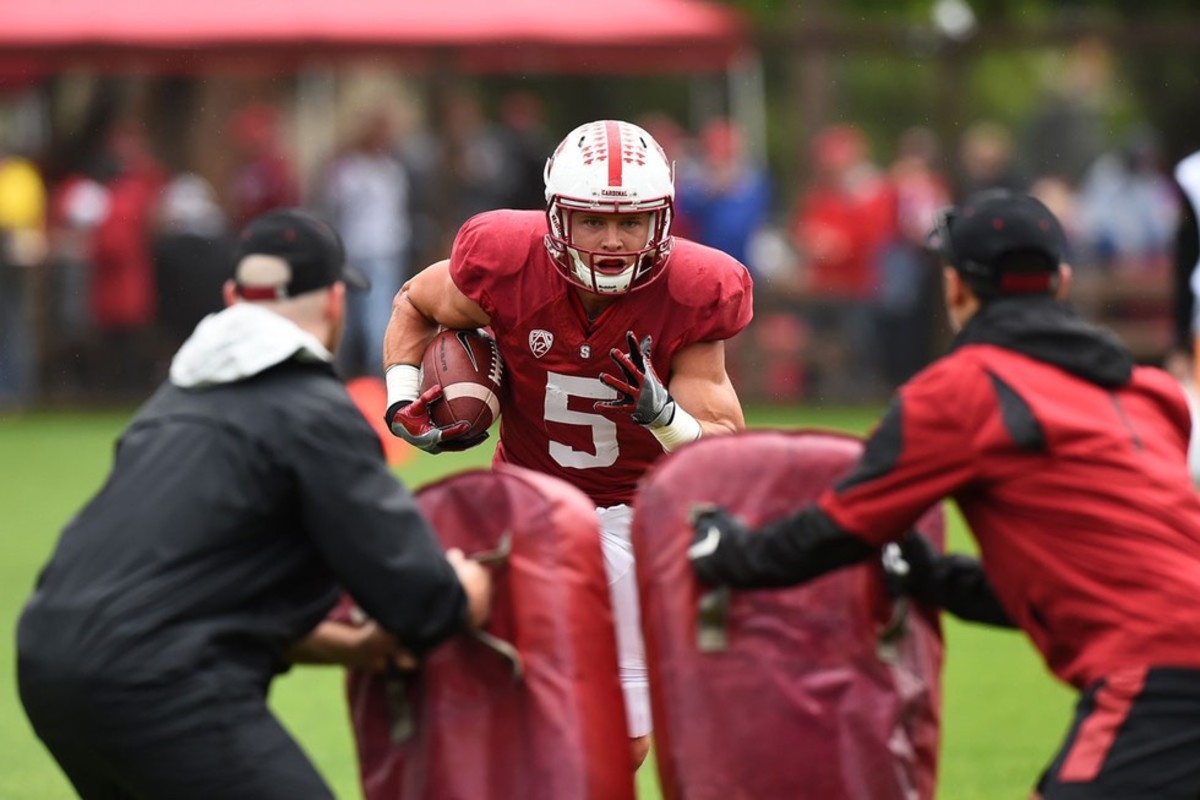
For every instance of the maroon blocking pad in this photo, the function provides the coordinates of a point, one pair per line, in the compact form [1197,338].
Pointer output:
[828,690]
[468,725]
[467,365]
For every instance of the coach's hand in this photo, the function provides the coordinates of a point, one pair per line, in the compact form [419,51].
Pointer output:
[640,392]
[375,650]
[409,419]
[908,565]
[716,550]
[477,585]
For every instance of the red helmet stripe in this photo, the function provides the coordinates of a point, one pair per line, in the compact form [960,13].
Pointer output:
[612,129]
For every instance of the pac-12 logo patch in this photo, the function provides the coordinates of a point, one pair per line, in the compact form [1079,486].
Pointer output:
[540,342]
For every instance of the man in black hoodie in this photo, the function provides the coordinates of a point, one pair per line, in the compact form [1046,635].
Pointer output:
[1069,464]
[246,494]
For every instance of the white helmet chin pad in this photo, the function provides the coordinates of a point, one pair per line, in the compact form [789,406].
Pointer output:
[609,167]
[596,281]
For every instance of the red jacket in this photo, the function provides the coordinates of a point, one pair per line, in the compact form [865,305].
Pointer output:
[124,293]
[1069,465]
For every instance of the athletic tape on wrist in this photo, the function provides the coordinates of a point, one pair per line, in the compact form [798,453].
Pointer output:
[403,383]
[682,428]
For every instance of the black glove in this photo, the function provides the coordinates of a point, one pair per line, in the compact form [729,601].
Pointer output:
[953,582]
[908,566]
[641,393]
[716,542]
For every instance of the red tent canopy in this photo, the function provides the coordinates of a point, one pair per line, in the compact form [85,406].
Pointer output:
[486,35]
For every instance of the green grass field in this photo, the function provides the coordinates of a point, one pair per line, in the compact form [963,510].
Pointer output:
[1003,713]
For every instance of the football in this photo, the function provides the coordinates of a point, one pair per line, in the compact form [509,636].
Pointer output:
[466,364]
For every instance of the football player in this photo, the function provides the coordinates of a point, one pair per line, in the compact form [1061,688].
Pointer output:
[612,332]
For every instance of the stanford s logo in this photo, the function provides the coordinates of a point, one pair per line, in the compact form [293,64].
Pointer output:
[540,342]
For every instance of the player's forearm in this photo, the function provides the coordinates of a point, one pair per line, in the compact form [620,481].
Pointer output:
[408,333]
[720,427]
[714,405]
[681,427]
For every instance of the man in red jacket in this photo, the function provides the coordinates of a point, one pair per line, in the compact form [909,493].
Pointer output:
[1069,464]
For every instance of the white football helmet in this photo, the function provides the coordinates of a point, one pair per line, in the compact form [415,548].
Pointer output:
[609,167]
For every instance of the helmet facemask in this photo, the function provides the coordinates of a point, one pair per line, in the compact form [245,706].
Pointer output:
[609,167]
[586,267]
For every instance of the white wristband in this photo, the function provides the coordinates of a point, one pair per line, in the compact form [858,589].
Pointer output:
[682,428]
[403,383]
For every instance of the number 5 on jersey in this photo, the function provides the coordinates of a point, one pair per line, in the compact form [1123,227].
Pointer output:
[603,452]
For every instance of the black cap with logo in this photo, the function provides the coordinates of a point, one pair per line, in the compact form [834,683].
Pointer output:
[288,252]
[1002,243]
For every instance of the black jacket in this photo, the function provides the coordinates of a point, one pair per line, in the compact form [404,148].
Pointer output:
[233,515]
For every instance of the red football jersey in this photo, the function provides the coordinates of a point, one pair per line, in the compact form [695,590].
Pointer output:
[554,356]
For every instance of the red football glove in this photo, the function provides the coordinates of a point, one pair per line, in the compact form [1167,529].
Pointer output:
[409,419]
[641,393]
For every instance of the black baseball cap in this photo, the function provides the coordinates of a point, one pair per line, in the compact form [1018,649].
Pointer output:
[1002,243]
[304,253]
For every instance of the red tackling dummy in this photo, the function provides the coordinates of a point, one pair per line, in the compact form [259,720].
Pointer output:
[465,726]
[828,690]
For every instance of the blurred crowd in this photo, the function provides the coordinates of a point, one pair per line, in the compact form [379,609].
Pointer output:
[853,242]
[107,267]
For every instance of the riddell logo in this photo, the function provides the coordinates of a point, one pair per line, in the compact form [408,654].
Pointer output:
[540,342]
[614,192]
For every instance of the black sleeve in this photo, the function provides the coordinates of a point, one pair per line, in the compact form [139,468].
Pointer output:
[370,531]
[962,588]
[788,551]
[954,582]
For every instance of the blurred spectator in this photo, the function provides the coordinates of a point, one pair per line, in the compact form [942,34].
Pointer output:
[474,164]
[680,150]
[844,217]
[843,221]
[529,144]
[123,293]
[264,179]
[909,283]
[1067,131]
[420,151]
[985,160]
[365,194]
[1128,207]
[193,254]
[727,199]
[22,249]
[78,204]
